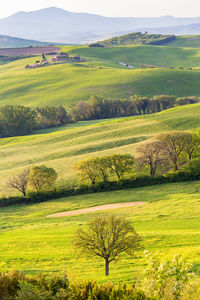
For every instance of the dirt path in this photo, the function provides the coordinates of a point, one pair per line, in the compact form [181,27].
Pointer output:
[95,208]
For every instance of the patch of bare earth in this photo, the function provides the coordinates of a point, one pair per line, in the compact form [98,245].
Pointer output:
[94,209]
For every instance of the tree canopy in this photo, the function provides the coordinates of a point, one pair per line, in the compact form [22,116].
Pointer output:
[108,237]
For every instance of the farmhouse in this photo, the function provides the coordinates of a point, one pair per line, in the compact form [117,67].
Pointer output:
[64,57]
[61,57]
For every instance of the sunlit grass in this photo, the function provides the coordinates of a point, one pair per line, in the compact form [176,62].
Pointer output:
[169,223]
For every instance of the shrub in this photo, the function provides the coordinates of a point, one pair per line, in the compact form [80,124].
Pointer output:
[165,278]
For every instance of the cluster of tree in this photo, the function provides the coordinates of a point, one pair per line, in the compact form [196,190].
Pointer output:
[102,168]
[98,107]
[138,38]
[37,178]
[168,151]
[20,120]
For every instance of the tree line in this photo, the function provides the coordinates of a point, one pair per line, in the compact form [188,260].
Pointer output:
[20,120]
[167,152]
[98,107]
[170,153]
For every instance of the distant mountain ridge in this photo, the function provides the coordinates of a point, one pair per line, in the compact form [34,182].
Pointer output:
[58,25]
[13,42]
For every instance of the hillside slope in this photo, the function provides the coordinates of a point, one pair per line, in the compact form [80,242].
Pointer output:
[101,74]
[61,148]
[31,242]
[14,42]
[192,41]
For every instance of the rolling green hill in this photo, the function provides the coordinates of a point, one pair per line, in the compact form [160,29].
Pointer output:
[137,38]
[13,42]
[61,148]
[169,224]
[152,55]
[192,41]
[101,74]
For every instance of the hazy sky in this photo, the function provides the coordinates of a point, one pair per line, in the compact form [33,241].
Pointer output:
[126,8]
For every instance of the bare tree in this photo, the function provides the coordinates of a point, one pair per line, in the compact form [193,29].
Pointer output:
[151,155]
[107,237]
[174,145]
[20,182]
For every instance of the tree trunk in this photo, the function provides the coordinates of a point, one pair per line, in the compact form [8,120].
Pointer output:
[106,267]
[176,165]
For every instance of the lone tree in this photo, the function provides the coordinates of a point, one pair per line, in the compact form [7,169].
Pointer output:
[151,155]
[107,237]
[20,182]
[42,178]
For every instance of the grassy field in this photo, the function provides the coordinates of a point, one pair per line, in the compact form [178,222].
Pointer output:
[101,74]
[192,41]
[62,147]
[155,55]
[169,223]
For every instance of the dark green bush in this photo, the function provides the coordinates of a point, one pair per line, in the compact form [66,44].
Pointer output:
[16,285]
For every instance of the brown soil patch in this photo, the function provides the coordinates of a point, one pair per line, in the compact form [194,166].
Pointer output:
[94,209]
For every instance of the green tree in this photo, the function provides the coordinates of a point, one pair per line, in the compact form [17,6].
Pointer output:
[193,167]
[166,101]
[17,120]
[107,237]
[192,145]
[87,170]
[102,167]
[121,164]
[141,103]
[42,178]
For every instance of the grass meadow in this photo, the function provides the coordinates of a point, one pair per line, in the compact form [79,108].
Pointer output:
[169,223]
[62,147]
[101,74]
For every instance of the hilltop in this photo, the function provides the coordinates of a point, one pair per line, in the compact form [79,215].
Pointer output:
[137,38]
